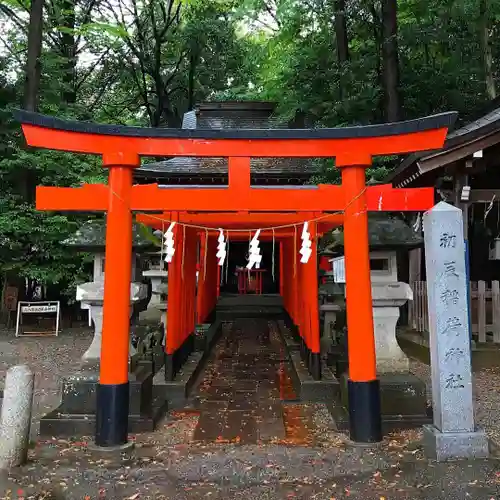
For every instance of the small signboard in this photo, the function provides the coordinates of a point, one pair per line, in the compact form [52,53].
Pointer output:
[338,265]
[38,318]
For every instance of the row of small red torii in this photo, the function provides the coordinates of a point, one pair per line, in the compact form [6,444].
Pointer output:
[239,205]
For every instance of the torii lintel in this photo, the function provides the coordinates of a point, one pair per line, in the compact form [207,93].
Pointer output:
[153,198]
[349,145]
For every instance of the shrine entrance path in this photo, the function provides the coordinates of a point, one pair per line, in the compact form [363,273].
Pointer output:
[246,394]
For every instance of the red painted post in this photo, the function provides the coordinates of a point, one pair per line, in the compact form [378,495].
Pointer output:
[192,247]
[112,398]
[311,308]
[281,269]
[212,269]
[363,386]
[174,313]
[201,298]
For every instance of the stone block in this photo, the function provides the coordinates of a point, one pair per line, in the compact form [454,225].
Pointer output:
[324,390]
[15,418]
[454,445]
[448,319]
[403,402]
[76,413]
[454,434]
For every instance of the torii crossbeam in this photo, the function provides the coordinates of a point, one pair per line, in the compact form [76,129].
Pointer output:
[121,149]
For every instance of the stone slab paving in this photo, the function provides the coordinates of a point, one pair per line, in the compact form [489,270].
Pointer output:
[240,398]
[50,358]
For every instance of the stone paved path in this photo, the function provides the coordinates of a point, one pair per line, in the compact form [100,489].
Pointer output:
[242,398]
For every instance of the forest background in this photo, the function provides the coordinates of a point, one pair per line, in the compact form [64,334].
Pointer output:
[147,62]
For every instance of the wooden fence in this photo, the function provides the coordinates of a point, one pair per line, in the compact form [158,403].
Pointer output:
[485,309]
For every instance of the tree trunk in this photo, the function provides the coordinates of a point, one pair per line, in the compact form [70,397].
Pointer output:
[33,68]
[487,57]
[390,60]
[342,43]
[191,81]
[377,36]
[341,32]
[32,85]
[68,51]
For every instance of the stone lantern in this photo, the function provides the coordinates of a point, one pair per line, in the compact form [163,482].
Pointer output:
[75,414]
[403,396]
[158,275]
[91,238]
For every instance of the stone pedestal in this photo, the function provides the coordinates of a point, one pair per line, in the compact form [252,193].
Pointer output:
[403,402]
[201,340]
[387,299]
[163,321]
[92,295]
[453,433]
[159,287]
[330,317]
[403,396]
[390,357]
[94,350]
[75,416]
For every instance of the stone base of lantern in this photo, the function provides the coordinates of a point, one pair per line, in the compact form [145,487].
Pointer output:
[75,416]
[390,357]
[403,402]
[152,315]
[454,445]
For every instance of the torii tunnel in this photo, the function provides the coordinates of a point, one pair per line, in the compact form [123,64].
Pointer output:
[232,206]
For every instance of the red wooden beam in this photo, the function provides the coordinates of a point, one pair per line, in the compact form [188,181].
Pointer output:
[279,234]
[238,220]
[350,145]
[385,198]
[353,149]
[149,197]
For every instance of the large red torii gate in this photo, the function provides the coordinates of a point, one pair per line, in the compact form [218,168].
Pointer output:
[121,148]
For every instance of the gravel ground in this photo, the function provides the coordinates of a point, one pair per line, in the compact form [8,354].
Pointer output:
[486,391]
[167,464]
[164,467]
[51,358]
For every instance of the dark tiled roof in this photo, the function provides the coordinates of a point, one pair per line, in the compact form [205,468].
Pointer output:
[216,166]
[482,126]
[385,231]
[227,115]
[486,123]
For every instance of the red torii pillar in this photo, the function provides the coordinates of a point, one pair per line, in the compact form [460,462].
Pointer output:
[121,147]
[363,385]
[181,300]
[112,394]
[207,278]
[309,289]
[281,271]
